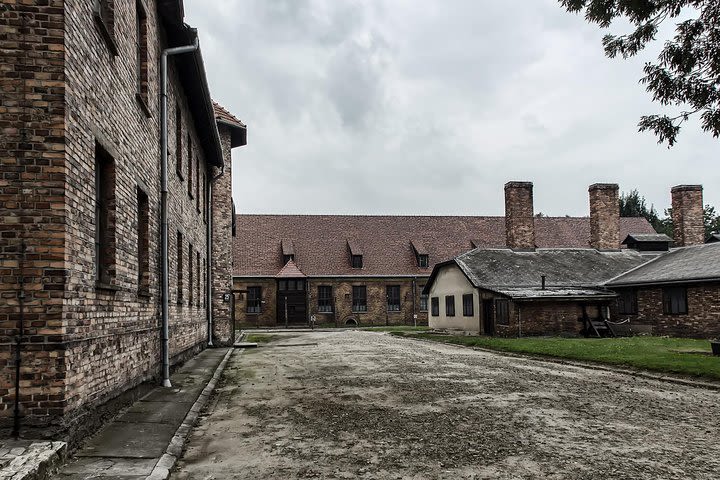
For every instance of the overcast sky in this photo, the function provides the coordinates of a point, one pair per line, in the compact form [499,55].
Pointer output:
[429,107]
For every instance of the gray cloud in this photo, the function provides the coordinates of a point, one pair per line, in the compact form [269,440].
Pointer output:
[385,107]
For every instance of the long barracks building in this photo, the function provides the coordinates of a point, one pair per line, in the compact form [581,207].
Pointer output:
[371,270]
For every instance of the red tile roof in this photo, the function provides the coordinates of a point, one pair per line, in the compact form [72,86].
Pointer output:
[222,114]
[290,270]
[321,242]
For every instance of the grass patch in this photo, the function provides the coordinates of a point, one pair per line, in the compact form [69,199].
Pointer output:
[668,355]
[260,338]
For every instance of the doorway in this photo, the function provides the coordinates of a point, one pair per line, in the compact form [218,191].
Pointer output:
[292,298]
[488,317]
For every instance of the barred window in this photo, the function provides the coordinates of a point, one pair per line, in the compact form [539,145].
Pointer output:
[393,298]
[325,299]
[254,299]
[359,298]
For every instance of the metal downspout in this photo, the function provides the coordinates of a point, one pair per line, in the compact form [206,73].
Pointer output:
[209,243]
[163,204]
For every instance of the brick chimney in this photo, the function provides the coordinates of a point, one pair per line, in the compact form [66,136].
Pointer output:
[519,218]
[687,215]
[604,216]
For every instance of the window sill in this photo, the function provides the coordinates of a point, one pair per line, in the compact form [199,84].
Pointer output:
[325,313]
[394,311]
[253,313]
[106,287]
[144,293]
[143,104]
[106,34]
[361,312]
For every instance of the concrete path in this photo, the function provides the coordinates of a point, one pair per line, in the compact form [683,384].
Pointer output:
[130,447]
[352,404]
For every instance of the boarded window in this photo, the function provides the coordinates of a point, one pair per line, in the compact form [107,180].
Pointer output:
[359,298]
[189,165]
[254,299]
[178,141]
[143,241]
[675,301]
[325,298]
[435,301]
[450,305]
[104,216]
[502,312]
[357,261]
[199,276]
[393,298]
[179,267]
[191,284]
[627,302]
[141,51]
[468,306]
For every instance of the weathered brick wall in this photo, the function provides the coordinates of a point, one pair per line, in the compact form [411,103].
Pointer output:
[222,247]
[519,217]
[32,209]
[687,215]
[113,336]
[701,321]
[64,90]
[545,318]
[377,313]
[604,216]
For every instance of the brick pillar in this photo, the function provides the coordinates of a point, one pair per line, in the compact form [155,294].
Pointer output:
[604,216]
[687,215]
[222,247]
[519,218]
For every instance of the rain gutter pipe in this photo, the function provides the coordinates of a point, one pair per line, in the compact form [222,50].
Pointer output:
[163,203]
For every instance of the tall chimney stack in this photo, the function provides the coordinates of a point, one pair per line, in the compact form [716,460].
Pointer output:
[687,215]
[604,216]
[519,218]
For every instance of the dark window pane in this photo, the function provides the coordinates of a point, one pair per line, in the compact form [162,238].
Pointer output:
[627,302]
[450,305]
[359,298]
[357,261]
[468,307]
[502,312]
[435,306]
[254,299]
[393,298]
[675,301]
[423,261]
[325,299]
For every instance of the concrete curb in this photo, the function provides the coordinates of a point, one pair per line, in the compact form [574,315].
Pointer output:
[38,461]
[174,450]
[592,366]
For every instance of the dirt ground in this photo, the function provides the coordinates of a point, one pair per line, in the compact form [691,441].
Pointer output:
[351,404]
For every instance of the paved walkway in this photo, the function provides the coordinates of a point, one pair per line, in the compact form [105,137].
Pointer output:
[130,447]
[352,404]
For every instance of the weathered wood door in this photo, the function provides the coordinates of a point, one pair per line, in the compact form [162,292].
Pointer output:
[291,300]
[488,313]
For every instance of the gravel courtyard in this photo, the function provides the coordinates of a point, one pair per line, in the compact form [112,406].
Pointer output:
[352,404]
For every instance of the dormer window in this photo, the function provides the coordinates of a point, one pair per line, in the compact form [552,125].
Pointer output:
[421,254]
[423,261]
[356,253]
[288,250]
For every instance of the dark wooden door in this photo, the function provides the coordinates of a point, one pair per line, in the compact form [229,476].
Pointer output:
[292,299]
[488,318]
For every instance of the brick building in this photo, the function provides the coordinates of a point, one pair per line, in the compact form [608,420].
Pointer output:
[371,270]
[81,197]
[524,290]
[677,293]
